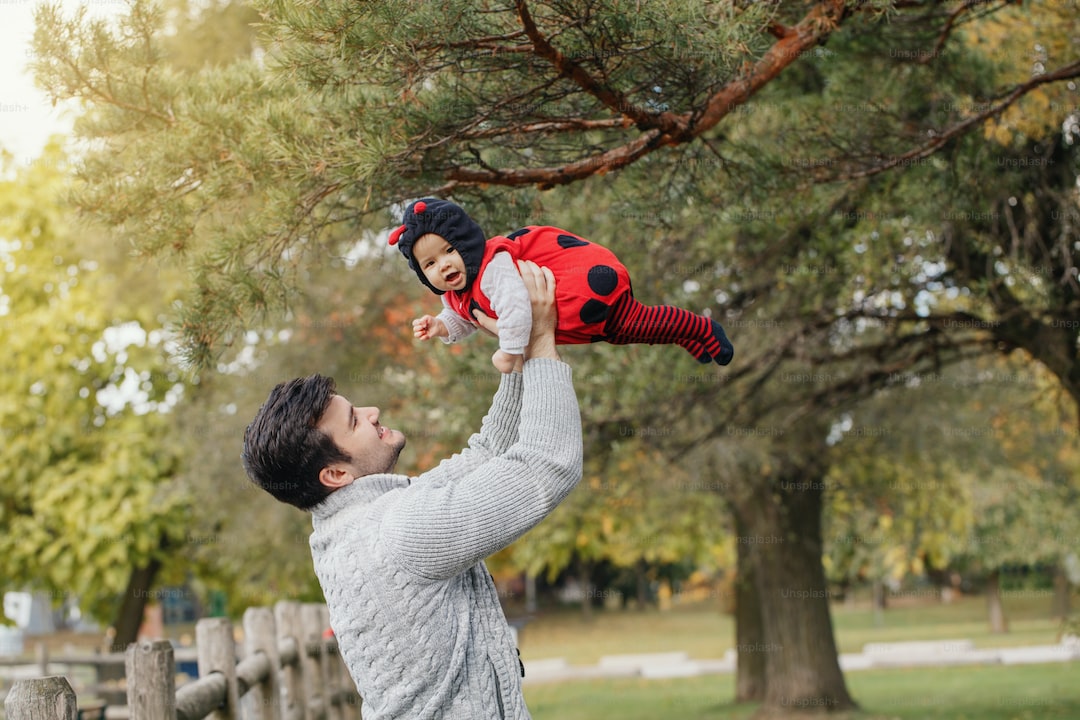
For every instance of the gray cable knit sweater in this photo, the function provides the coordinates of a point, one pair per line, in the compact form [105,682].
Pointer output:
[400,559]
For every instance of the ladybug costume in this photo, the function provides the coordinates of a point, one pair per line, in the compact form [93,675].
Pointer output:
[593,297]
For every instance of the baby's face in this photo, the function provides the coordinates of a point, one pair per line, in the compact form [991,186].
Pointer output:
[441,263]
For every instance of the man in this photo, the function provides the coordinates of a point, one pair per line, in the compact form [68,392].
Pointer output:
[400,559]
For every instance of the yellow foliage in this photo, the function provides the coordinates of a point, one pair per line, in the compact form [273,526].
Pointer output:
[1023,42]
[896,562]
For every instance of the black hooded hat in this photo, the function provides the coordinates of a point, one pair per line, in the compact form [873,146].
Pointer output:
[447,220]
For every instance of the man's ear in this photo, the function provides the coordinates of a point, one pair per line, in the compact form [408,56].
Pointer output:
[335,476]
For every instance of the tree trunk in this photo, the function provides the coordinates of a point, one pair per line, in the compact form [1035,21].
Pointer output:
[1060,609]
[126,626]
[642,578]
[880,602]
[585,578]
[530,593]
[133,606]
[881,596]
[749,633]
[783,534]
[998,623]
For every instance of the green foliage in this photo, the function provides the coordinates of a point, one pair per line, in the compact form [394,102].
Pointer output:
[86,477]
[974,467]
[184,154]
[631,506]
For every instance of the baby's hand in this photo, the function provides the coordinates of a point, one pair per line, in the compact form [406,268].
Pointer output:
[428,327]
[504,362]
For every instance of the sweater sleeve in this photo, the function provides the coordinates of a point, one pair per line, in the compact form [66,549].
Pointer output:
[502,283]
[498,431]
[457,327]
[447,521]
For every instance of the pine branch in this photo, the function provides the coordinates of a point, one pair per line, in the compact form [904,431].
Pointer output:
[952,22]
[546,127]
[662,128]
[1067,72]
[617,102]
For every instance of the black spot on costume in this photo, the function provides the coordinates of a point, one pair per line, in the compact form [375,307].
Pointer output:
[592,288]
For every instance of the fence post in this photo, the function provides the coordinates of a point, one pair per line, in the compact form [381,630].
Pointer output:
[217,653]
[150,668]
[352,702]
[260,635]
[328,661]
[48,698]
[311,644]
[42,653]
[287,617]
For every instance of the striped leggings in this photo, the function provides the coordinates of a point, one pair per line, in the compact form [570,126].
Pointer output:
[632,322]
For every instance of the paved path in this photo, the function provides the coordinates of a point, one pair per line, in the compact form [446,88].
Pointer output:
[930,653]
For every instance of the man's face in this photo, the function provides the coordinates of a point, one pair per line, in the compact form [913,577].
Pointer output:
[372,447]
[440,262]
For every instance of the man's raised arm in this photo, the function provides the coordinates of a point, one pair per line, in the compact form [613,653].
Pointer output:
[444,526]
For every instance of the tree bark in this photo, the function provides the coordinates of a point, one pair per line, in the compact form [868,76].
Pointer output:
[881,598]
[641,577]
[749,632]
[1060,608]
[130,615]
[998,623]
[585,578]
[880,602]
[783,534]
[530,593]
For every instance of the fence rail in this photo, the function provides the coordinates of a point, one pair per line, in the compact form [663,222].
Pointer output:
[285,669]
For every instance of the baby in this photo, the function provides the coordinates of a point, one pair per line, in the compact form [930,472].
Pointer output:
[455,259]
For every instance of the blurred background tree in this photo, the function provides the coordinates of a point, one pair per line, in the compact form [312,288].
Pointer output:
[90,506]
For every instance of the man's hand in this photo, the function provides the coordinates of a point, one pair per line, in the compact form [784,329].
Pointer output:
[540,282]
[428,327]
[488,325]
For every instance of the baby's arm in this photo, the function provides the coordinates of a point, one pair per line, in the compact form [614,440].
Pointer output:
[457,327]
[502,284]
[449,326]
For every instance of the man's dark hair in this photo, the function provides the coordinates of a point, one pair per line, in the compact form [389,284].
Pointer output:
[284,450]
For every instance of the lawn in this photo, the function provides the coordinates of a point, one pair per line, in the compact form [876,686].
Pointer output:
[704,632]
[993,692]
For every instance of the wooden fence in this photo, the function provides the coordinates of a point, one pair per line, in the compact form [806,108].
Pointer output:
[285,669]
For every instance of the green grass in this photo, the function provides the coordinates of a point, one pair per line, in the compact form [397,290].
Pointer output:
[704,632]
[993,692]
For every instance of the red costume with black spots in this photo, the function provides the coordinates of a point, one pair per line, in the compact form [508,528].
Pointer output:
[593,294]
[589,280]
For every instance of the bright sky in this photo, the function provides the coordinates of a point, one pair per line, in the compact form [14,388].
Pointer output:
[27,119]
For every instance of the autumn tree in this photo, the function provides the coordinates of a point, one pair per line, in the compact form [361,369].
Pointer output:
[969,468]
[89,505]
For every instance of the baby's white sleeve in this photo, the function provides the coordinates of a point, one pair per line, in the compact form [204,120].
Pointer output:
[502,284]
[457,327]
